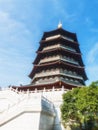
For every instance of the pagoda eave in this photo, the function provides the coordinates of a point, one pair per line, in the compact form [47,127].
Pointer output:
[55,49]
[48,87]
[58,38]
[59,62]
[53,64]
[59,30]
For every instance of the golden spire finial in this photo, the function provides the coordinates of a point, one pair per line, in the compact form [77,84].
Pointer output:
[60,24]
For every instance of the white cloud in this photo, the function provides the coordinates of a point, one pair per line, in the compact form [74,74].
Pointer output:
[15,49]
[93,54]
[92,64]
[14,36]
[16,42]
[63,12]
[92,72]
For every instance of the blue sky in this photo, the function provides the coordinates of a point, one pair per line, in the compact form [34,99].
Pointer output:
[22,23]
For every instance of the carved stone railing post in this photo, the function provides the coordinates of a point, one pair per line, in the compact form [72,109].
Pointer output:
[62,89]
[53,89]
[35,90]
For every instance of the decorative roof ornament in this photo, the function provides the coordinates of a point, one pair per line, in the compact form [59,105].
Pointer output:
[60,25]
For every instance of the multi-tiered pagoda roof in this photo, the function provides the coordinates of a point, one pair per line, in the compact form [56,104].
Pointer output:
[58,62]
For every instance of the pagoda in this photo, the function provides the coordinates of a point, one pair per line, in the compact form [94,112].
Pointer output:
[58,62]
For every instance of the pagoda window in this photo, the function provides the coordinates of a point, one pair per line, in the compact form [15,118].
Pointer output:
[48,71]
[40,79]
[66,78]
[50,78]
[56,69]
[43,71]
[62,78]
[72,59]
[67,58]
[65,71]
[71,80]
[64,57]
[44,78]
[74,73]
[70,72]
[52,70]
[37,82]
[61,70]
[76,81]
[56,78]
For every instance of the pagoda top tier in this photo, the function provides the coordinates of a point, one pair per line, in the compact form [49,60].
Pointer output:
[59,31]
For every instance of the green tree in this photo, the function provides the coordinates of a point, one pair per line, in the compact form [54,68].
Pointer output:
[94,84]
[80,106]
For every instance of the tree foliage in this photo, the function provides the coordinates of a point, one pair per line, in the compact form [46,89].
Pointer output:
[80,106]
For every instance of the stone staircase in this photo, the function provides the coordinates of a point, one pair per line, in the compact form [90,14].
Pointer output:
[24,103]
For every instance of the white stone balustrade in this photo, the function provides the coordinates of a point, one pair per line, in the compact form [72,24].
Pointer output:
[30,105]
[30,102]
